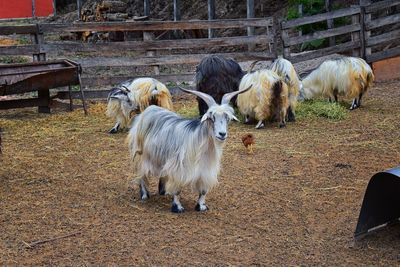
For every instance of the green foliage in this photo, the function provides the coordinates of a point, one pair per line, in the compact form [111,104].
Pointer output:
[321,108]
[313,7]
[24,41]
[12,59]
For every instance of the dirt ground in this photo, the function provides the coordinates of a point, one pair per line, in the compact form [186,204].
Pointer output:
[296,201]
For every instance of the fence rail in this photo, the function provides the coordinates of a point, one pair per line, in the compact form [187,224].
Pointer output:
[360,42]
[363,37]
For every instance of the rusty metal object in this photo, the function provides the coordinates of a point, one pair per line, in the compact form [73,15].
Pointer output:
[37,76]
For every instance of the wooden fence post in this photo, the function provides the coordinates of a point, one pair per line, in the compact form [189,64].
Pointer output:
[211,16]
[355,36]
[33,8]
[300,11]
[38,39]
[146,6]
[365,18]
[177,15]
[79,7]
[250,30]
[329,22]
[54,7]
[284,35]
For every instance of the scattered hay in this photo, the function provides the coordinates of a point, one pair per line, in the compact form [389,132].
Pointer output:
[321,108]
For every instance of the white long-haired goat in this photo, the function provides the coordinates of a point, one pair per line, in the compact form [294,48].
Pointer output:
[346,76]
[134,96]
[266,100]
[284,68]
[181,152]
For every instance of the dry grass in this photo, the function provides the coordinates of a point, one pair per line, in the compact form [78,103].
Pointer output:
[294,202]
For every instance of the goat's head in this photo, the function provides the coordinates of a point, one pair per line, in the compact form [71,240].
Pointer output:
[124,95]
[219,115]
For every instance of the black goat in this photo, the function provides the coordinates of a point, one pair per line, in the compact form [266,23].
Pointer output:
[216,76]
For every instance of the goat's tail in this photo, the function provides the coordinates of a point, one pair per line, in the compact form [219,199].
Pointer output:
[370,79]
[277,104]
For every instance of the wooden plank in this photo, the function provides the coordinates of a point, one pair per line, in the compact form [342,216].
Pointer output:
[250,14]
[393,52]
[89,94]
[22,103]
[320,17]
[79,8]
[177,10]
[382,21]
[211,15]
[288,41]
[155,45]
[325,51]
[21,29]
[33,8]
[330,22]
[383,38]
[381,5]
[113,80]
[19,50]
[355,36]
[154,25]
[169,59]
[146,7]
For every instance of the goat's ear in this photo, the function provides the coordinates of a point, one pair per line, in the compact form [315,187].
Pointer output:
[206,116]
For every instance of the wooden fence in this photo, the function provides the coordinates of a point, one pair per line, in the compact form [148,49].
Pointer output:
[360,42]
[364,31]
[41,47]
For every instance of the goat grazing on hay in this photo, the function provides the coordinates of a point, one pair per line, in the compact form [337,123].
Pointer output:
[178,151]
[346,76]
[216,76]
[134,96]
[284,68]
[266,100]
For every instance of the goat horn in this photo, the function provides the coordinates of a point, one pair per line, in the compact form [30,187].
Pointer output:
[252,66]
[207,98]
[227,97]
[126,88]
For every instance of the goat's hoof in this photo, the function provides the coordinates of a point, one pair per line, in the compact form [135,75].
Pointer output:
[113,131]
[281,125]
[201,207]
[260,126]
[144,195]
[177,209]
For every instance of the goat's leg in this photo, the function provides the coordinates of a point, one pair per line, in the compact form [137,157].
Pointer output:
[144,193]
[260,124]
[161,186]
[353,104]
[359,100]
[246,119]
[290,114]
[115,128]
[282,121]
[176,204]
[201,202]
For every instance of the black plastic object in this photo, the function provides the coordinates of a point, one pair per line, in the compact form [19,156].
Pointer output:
[381,204]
